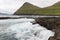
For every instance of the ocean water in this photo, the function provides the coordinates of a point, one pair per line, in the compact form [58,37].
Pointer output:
[23,29]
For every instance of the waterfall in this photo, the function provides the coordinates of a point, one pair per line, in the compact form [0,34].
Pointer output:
[23,29]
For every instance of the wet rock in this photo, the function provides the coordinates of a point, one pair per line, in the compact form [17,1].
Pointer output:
[51,24]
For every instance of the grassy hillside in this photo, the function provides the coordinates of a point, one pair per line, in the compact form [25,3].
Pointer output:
[28,8]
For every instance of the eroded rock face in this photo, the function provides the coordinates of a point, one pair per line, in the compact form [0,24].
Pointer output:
[51,24]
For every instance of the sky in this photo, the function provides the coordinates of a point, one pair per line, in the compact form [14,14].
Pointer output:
[11,6]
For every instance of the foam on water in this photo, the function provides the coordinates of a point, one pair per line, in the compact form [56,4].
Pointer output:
[24,30]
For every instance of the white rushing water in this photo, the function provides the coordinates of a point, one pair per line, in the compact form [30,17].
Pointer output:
[23,29]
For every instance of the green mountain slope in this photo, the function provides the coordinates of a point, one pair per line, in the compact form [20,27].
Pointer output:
[28,8]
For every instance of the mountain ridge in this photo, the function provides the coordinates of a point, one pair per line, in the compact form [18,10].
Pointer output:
[28,8]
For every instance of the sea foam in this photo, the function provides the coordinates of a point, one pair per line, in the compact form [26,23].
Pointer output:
[24,29]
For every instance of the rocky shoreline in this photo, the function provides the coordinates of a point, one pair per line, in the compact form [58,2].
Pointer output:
[51,24]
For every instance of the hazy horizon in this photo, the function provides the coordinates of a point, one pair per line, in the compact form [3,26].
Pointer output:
[13,5]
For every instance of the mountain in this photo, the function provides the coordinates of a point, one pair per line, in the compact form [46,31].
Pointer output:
[28,8]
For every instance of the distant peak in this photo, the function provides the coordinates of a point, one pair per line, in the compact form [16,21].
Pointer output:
[27,3]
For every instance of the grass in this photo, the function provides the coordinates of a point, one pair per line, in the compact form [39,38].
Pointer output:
[31,9]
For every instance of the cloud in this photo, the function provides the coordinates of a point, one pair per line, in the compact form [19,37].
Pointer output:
[43,3]
[10,5]
[13,5]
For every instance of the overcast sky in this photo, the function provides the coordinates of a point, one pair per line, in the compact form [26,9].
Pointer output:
[10,6]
